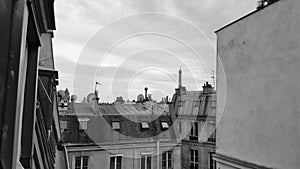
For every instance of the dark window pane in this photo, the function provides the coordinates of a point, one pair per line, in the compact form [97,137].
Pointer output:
[143,162]
[164,156]
[112,162]
[77,162]
[196,129]
[85,161]
[149,162]
[119,162]
[169,155]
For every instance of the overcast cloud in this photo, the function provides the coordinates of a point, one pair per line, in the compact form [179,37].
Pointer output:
[129,44]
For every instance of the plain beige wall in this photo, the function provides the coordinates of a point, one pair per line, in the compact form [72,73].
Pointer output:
[261,59]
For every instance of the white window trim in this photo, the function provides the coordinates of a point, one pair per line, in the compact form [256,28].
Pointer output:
[167,161]
[81,161]
[193,161]
[83,123]
[146,125]
[165,125]
[116,128]
[147,155]
[116,155]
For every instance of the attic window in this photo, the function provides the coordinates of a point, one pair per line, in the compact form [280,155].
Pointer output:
[145,125]
[164,125]
[116,125]
[64,125]
[83,123]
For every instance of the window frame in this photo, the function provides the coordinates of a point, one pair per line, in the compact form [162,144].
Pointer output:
[82,158]
[118,127]
[145,125]
[194,133]
[146,158]
[194,159]
[115,157]
[211,161]
[167,160]
[166,126]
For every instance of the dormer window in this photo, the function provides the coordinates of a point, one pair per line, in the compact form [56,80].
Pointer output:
[63,125]
[145,125]
[115,125]
[164,125]
[83,123]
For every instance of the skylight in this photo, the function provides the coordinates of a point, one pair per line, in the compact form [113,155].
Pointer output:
[145,125]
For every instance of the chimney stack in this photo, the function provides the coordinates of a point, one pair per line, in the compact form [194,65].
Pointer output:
[207,88]
[146,91]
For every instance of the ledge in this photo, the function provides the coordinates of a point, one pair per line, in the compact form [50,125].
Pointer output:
[231,161]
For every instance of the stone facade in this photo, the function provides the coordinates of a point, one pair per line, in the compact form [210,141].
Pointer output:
[102,141]
[194,115]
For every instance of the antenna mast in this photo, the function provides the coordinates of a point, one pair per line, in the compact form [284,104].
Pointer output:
[213,78]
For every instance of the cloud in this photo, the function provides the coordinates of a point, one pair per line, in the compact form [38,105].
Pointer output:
[87,29]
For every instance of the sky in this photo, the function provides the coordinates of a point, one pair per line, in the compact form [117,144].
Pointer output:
[127,45]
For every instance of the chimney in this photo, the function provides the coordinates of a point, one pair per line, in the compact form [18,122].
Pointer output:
[207,88]
[180,79]
[260,4]
[73,98]
[97,97]
[146,91]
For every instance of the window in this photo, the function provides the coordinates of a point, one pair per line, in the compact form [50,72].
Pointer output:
[194,159]
[211,132]
[81,162]
[83,123]
[145,125]
[146,161]
[196,103]
[115,162]
[63,125]
[179,127]
[116,125]
[167,160]
[194,131]
[164,125]
[211,162]
[181,103]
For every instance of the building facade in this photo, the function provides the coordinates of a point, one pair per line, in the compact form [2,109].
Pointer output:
[115,136]
[30,135]
[258,82]
[194,115]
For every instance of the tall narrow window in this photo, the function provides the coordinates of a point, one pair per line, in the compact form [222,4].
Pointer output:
[212,162]
[211,132]
[146,161]
[81,162]
[115,162]
[194,159]
[167,158]
[179,127]
[194,131]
